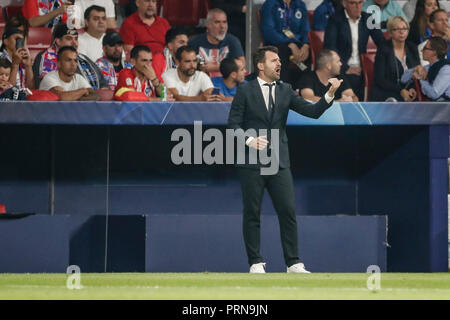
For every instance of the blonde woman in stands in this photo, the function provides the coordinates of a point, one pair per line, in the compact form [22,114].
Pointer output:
[393,58]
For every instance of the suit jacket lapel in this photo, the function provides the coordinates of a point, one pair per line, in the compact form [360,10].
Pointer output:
[259,99]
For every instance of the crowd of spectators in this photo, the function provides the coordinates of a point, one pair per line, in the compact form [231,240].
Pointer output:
[148,56]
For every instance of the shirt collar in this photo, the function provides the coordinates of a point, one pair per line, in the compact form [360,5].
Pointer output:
[348,17]
[262,82]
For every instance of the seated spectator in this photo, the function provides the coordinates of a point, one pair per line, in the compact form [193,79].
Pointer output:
[435,77]
[48,13]
[419,30]
[233,74]
[107,4]
[66,82]
[145,27]
[439,28]
[14,49]
[347,34]
[142,77]
[285,24]
[323,12]
[175,38]
[314,84]
[90,42]
[393,58]
[18,21]
[46,61]
[216,44]
[185,82]
[5,72]
[113,60]
[388,8]
[235,10]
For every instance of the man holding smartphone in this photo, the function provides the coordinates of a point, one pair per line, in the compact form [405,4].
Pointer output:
[13,48]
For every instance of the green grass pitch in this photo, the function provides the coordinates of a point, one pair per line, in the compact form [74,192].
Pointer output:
[225,286]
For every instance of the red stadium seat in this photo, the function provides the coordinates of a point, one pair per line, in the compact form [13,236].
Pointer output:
[181,13]
[371,46]
[315,44]
[2,18]
[367,63]
[34,51]
[420,95]
[205,6]
[39,36]
[12,11]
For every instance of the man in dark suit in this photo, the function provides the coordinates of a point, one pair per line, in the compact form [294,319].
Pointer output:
[263,104]
[347,33]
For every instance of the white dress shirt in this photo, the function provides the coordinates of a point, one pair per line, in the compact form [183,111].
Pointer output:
[354,60]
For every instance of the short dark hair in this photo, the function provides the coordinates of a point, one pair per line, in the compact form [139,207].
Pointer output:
[260,56]
[17,21]
[440,46]
[323,57]
[87,12]
[182,49]
[433,14]
[227,66]
[173,32]
[134,54]
[65,48]
[5,63]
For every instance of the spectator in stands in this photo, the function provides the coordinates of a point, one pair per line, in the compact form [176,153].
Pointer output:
[347,34]
[323,12]
[142,77]
[48,13]
[90,42]
[419,25]
[235,10]
[393,58]
[109,10]
[185,82]
[439,28]
[233,74]
[46,61]
[144,27]
[66,82]
[113,60]
[14,49]
[315,84]
[435,77]
[388,8]
[216,44]
[285,24]
[5,72]
[176,37]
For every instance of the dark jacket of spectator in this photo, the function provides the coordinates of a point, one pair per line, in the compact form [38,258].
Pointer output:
[338,36]
[323,13]
[388,71]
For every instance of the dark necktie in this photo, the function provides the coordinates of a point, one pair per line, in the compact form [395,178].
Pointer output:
[271,103]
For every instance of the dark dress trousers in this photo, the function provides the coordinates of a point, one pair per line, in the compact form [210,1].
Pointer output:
[249,111]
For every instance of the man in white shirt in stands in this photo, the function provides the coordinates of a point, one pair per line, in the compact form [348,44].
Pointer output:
[90,42]
[186,83]
[65,82]
[82,5]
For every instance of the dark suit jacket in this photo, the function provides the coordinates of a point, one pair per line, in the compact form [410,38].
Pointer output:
[338,36]
[248,111]
[388,71]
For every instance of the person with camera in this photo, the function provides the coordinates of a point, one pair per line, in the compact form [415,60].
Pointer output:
[13,48]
